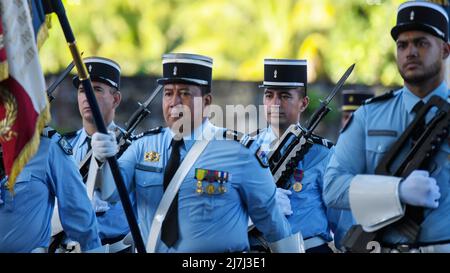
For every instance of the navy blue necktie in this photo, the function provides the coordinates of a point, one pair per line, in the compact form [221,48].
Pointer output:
[84,170]
[421,124]
[89,147]
[169,231]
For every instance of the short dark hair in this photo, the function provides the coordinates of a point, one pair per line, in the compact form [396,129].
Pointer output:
[302,91]
[112,89]
[206,89]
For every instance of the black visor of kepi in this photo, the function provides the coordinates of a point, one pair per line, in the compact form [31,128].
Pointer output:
[102,70]
[186,68]
[284,73]
[422,16]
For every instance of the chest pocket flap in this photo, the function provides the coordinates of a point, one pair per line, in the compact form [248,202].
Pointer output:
[146,175]
[380,141]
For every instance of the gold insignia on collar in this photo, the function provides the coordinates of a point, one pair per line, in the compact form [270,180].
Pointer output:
[151,156]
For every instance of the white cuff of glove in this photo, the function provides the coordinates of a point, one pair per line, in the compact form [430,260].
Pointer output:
[374,201]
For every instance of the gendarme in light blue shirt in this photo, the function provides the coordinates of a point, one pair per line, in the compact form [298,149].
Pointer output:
[113,223]
[208,222]
[359,152]
[309,211]
[25,217]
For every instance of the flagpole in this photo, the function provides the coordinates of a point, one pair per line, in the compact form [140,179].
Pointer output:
[58,7]
[447,71]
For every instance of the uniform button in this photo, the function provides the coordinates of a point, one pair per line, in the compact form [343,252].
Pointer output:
[379,148]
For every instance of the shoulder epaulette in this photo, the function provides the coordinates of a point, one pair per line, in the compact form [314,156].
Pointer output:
[62,140]
[244,139]
[153,131]
[385,96]
[70,134]
[48,132]
[65,145]
[262,157]
[347,124]
[322,141]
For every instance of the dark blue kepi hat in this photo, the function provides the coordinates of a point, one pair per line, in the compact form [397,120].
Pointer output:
[284,73]
[186,68]
[102,70]
[423,16]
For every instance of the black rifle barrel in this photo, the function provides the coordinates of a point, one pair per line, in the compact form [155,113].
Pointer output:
[58,8]
[58,81]
[140,113]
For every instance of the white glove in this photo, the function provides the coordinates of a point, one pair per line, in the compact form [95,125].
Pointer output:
[283,201]
[419,189]
[104,145]
[98,204]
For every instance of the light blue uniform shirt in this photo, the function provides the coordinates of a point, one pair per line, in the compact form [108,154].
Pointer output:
[309,211]
[113,222]
[207,222]
[340,221]
[25,218]
[358,152]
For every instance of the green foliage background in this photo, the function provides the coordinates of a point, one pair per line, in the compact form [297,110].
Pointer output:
[237,34]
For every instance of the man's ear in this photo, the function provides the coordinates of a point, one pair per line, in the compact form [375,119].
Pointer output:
[304,104]
[207,99]
[117,98]
[446,50]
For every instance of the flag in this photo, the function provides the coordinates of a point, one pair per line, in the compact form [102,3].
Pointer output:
[41,21]
[24,109]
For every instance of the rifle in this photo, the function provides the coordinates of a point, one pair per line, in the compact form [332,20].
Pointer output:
[419,156]
[140,114]
[283,164]
[125,137]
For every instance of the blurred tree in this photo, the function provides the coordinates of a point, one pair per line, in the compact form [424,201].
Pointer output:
[238,34]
